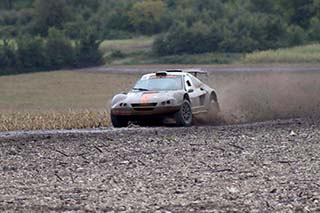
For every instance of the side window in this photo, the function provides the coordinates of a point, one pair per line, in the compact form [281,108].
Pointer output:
[195,82]
[188,82]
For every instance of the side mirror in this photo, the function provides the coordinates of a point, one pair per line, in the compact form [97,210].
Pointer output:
[190,91]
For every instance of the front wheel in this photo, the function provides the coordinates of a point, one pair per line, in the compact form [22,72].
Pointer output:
[119,121]
[184,115]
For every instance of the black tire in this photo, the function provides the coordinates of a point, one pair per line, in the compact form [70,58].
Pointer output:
[184,115]
[119,121]
[214,115]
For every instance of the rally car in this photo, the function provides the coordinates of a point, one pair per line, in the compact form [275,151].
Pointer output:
[171,94]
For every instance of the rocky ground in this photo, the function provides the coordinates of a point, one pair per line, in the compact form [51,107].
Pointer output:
[264,167]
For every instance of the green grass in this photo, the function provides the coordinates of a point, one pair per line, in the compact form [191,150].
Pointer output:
[127,45]
[299,54]
[143,58]
[128,51]
[205,58]
[60,90]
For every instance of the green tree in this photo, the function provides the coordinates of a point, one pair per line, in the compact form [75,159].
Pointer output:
[59,50]
[7,56]
[199,38]
[314,31]
[296,35]
[31,53]
[50,13]
[145,16]
[296,12]
[88,53]
[6,4]
[316,8]
[262,6]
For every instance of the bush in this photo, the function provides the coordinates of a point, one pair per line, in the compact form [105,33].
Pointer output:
[54,52]
[7,56]
[9,17]
[145,16]
[117,54]
[73,29]
[245,33]
[200,38]
[8,31]
[116,34]
[296,35]
[314,31]
[31,53]
[59,50]
[87,49]
[50,13]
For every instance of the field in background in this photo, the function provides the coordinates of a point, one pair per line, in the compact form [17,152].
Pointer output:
[79,99]
[55,100]
[138,51]
[300,54]
[127,45]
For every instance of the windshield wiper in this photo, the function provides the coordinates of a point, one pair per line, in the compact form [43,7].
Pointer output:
[140,89]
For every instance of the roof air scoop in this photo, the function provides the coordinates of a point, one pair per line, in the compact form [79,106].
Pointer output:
[161,73]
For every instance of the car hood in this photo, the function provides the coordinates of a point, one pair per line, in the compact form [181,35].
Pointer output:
[151,96]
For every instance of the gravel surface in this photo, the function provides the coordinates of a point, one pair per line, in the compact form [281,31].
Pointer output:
[263,167]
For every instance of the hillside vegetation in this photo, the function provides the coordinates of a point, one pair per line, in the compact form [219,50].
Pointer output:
[54,34]
[300,54]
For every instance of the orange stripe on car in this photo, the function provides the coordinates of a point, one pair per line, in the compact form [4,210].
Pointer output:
[164,76]
[146,97]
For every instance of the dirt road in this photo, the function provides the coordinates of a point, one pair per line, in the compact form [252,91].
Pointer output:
[134,69]
[265,167]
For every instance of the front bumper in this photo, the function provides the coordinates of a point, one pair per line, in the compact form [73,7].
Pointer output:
[145,111]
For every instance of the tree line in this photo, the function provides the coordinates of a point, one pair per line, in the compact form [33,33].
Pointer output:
[240,26]
[184,26]
[56,51]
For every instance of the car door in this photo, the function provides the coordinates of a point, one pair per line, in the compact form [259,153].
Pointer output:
[199,91]
[191,91]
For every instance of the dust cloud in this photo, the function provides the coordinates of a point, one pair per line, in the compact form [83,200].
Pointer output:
[259,96]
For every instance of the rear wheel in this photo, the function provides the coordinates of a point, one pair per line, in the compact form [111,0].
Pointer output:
[184,115]
[214,107]
[214,113]
[119,121]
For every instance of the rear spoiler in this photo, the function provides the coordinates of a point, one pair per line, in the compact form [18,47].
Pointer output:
[197,72]
[194,72]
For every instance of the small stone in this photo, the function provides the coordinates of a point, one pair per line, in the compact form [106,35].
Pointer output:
[232,189]
[292,133]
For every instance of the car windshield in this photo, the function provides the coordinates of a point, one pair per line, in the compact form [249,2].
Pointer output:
[159,84]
